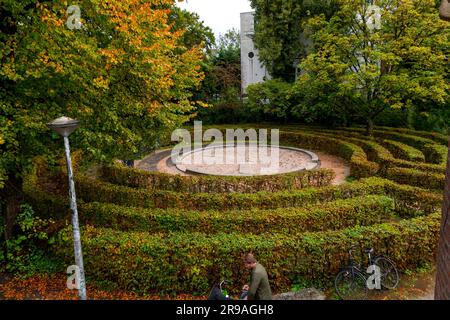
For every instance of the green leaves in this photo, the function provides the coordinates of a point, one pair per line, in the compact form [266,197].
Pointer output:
[128,80]
[360,72]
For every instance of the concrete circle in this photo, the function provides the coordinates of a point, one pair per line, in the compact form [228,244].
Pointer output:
[246,160]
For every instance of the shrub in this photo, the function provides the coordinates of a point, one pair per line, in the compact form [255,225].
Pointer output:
[360,167]
[91,190]
[433,152]
[192,262]
[270,99]
[403,151]
[435,136]
[381,155]
[215,184]
[428,180]
[334,215]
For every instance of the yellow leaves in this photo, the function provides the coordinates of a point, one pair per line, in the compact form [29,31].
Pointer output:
[101,82]
[113,56]
[203,104]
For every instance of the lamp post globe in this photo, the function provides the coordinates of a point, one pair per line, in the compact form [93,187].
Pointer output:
[64,126]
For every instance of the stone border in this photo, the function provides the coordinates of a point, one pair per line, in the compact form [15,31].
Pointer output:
[314,162]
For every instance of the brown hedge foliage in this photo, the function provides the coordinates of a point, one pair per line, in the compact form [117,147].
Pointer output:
[366,210]
[136,178]
[192,262]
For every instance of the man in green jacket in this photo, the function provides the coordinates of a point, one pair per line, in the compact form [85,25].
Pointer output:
[259,288]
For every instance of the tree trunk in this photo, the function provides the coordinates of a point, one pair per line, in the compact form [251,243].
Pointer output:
[369,127]
[442,291]
[10,208]
[11,196]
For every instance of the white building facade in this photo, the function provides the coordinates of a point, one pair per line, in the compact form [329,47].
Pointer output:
[252,70]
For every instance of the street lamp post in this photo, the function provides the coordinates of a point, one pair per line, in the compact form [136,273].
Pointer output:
[64,126]
[442,290]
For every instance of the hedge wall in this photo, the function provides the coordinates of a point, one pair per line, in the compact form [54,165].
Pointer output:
[429,175]
[435,136]
[47,203]
[432,151]
[403,151]
[335,215]
[380,155]
[418,178]
[215,184]
[360,167]
[192,262]
[91,190]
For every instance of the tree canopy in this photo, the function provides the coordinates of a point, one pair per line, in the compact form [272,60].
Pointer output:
[360,71]
[278,32]
[126,74]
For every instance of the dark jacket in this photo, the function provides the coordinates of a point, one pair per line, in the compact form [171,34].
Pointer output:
[259,284]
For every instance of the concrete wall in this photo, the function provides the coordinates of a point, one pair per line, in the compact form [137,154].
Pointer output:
[252,69]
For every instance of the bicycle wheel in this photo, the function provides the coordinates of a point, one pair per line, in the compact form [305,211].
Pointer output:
[389,273]
[350,285]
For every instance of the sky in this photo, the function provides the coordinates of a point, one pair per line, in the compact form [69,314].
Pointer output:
[219,15]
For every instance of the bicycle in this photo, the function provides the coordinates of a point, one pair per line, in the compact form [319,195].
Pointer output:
[351,283]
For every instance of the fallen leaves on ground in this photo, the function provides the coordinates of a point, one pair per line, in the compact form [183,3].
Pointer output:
[53,287]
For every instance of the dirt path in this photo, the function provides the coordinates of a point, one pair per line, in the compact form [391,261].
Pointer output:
[418,286]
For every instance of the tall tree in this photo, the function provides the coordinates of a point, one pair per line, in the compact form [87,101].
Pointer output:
[124,74]
[361,71]
[278,32]
[195,32]
[226,63]
[222,84]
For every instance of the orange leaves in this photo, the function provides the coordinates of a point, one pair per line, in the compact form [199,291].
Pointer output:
[113,55]
[53,287]
[101,82]
[153,107]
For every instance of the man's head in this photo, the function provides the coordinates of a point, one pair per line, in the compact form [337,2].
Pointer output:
[250,261]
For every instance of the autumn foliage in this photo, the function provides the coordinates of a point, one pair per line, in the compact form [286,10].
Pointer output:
[125,74]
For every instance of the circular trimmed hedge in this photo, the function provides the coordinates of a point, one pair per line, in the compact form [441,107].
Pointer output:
[156,233]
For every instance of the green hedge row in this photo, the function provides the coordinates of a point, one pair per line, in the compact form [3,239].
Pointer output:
[215,184]
[419,174]
[192,262]
[418,178]
[91,190]
[438,153]
[407,198]
[360,167]
[433,152]
[382,156]
[403,151]
[435,136]
[335,215]
[407,172]
[44,202]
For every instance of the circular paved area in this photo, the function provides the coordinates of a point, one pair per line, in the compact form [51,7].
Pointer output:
[161,161]
[240,160]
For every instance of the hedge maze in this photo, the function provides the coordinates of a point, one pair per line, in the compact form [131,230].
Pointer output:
[157,233]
